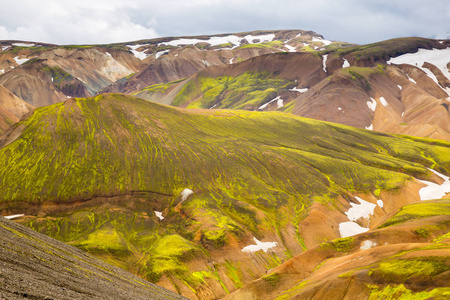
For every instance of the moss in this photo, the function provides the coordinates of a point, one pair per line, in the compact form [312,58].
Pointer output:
[400,292]
[419,211]
[246,91]
[159,87]
[340,245]
[399,270]
[347,274]
[272,279]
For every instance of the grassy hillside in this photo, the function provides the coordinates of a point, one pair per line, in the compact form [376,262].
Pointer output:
[92,172]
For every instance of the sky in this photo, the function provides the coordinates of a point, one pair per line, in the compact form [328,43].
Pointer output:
[108,21]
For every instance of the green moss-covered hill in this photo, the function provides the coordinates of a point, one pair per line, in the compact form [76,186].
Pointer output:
[92,172]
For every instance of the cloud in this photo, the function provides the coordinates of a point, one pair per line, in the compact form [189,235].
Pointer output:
[74,22]
[101,21]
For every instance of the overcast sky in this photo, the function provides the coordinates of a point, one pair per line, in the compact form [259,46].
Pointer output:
[107,21]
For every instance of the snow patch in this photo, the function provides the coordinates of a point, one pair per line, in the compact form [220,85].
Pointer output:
[160,53]
[299,90]
[261,38]
[325,62]
[380,203]
[213,41]
[5,47]
[362,210]
[370,127]
[185,194]
[318,39]
[367,244]
[412,80]
[437,57]
[433,190]
[139,54]
[347,229]
[24,44]
[278,98]
[20,61]
[345,64]
[400,87]
[109,54]
[372,104]
[14,216]
[231,60]
[339,108]
[259,246]
[159,215]
[383,101]
[280,103]
[290,48]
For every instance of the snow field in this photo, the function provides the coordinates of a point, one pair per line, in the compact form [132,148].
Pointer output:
[259,246]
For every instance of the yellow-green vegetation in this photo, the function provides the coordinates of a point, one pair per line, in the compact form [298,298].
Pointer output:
[274,45]
[399,270]
[400,292]
[272,278]
[120,158]
[341,245]
[419,211]
[249,90]
[159,87]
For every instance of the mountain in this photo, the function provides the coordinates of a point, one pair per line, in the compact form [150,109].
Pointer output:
[186,198]
[34,266]
[12,109]
[406,257]
[44,74]
[367,86]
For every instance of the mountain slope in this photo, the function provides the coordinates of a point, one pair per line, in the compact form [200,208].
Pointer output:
[34,266]
[406,257]
[12,109]
[176,195]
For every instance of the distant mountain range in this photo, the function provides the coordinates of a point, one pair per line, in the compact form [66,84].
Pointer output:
[189,161]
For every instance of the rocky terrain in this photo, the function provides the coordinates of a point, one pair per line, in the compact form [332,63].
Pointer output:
[34,266]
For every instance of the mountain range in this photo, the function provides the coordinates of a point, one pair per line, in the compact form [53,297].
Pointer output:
[256,165]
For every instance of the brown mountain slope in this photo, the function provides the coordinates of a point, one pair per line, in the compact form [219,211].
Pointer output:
[34,266]
[12,108]
[380,98]
[60,73]
[407,256]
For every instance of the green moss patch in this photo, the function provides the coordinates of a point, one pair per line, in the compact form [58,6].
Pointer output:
[419,211]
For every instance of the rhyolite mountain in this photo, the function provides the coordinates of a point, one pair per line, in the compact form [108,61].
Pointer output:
[34,266]
[203,202]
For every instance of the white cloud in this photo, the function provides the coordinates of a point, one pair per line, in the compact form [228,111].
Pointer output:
[102,21]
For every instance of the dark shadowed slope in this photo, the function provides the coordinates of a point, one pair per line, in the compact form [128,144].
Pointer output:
[34,266]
